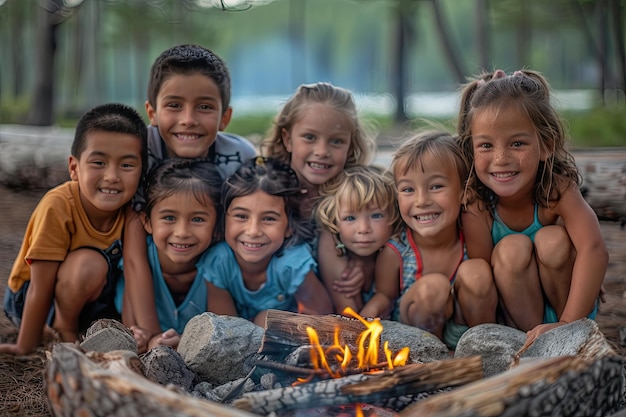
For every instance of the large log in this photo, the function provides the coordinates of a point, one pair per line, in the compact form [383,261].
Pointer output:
[559,386]
[111,384]
[286,331]
[393,389]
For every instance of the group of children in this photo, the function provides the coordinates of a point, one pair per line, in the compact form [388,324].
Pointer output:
[480,227]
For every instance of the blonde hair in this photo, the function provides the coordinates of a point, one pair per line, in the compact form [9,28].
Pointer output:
[531,92]
[358,186]
[361,142]
[441,146]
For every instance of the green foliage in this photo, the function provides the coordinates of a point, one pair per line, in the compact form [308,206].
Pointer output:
[599,127]
[14,111]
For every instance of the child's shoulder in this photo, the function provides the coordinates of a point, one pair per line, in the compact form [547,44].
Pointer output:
[226,143]
[66,194]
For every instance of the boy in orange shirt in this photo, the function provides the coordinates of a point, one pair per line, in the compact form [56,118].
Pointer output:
[64,274]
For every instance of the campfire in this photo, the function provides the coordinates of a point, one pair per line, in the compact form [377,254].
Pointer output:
[322,365]
[338,360]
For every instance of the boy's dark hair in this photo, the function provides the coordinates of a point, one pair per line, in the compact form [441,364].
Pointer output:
[197,176]
[186,60]
[111,117]
[273,177]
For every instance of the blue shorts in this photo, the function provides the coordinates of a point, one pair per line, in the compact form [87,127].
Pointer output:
[103,307]
[549,314]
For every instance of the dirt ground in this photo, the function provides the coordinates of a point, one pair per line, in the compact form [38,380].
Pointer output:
[16,376]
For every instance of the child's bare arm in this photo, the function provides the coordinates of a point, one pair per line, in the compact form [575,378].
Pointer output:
[477,233]
[219,301]
[312,297]
[138,277]
[387,281]
[39,298]
[591,262]
[331,269]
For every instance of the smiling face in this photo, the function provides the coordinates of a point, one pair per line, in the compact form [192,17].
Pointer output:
[108,171]
[318,143]
[188,114]
[429,197]
[182,229]
[256,227]
[363,231]
[506,151]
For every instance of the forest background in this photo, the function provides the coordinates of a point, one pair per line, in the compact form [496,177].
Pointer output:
[62,57]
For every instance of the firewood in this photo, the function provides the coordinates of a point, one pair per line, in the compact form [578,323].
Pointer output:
[286,331]
[562,385]
[112,385]
[392,388]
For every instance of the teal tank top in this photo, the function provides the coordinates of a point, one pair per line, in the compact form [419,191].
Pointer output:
[500,230]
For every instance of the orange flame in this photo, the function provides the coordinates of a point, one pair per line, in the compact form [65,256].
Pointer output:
[368,343]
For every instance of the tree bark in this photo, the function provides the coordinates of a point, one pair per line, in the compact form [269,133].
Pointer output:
[112,384]
[393,389]
[562,385]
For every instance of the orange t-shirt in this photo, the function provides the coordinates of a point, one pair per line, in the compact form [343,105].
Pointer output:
[57,226]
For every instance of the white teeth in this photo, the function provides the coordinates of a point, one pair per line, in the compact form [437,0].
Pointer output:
[108,191]
[315,165]
[186,137]
[177,246]
[504,175]
[427,217]
[252,245]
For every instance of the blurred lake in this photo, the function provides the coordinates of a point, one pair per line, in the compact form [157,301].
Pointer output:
[435,104]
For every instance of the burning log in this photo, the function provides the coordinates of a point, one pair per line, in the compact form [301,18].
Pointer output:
[558,386]
[111,384]
[394,388]
[286,331]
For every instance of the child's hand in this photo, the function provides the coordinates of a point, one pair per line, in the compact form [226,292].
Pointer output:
[169,338]
[12,349]
[533,334]
[351,282]
[142,337]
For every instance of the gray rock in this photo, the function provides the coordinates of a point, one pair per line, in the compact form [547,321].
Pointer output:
[424,346]
[165,366]
[494,343]
[215,347]
[581,337]
[108,335]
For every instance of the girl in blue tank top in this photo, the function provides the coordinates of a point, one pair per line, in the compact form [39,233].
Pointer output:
[264,262]
[525,216]
[180,216]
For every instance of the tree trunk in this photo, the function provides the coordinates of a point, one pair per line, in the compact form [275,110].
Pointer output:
[448,47]
[482,34]
[112,384]
[393,389]
[42,105]
[403,14]
[558,386]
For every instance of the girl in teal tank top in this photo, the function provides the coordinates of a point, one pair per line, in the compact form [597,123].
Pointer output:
[525,217]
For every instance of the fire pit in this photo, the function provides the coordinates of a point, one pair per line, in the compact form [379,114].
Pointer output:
[345,372]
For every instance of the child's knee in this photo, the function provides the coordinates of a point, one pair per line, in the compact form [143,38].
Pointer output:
[475,279]
[84,271]
[513,253]
[553,247]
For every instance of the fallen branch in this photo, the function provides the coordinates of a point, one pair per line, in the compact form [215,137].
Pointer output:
[112,384]
[392,388]
[563,385]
